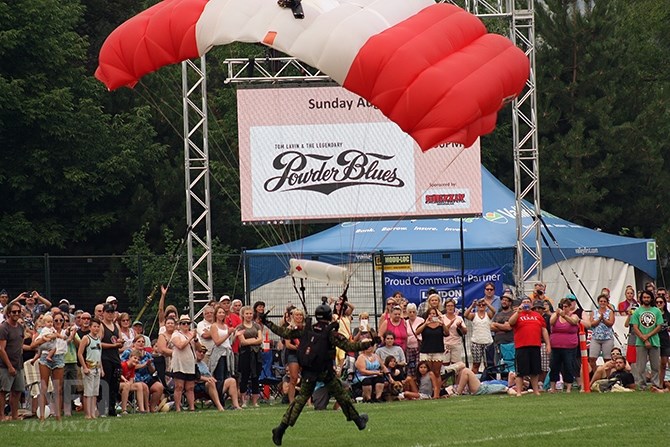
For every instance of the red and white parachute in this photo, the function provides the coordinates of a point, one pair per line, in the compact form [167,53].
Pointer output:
[431,68]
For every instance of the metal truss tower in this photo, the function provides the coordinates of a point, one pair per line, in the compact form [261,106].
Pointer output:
[520,18]
[196,175]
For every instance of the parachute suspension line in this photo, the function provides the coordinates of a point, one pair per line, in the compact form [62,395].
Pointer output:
[146,94]
[352,267]
[240,264]
[301,293]
[158,103]
[462,149]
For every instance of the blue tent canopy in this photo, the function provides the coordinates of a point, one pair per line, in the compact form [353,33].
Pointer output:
[492,236]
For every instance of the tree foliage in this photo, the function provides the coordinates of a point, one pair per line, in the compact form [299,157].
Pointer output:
[68,167]
[89,171]
[602,114]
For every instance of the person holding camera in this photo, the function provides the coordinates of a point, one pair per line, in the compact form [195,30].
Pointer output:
[185,342]
[34,305]
[628,302]
[480,313]
[432,332]
[540,293]
[530,329]
[565,341]
[453,347]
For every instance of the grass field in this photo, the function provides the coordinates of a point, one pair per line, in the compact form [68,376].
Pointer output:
[612,419]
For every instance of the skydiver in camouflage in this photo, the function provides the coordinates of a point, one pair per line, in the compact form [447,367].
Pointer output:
[316,355]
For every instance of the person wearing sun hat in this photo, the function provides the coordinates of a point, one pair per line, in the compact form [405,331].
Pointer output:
[185,342]
[503,334]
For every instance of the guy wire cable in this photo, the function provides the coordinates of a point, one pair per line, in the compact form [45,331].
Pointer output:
[567,283]
[573,271]
[551,235]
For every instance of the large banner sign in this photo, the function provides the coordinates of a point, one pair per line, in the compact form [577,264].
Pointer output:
[414,286]
[325,154]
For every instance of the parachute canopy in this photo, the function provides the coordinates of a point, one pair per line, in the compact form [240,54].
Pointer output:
[319,271]
[431,68]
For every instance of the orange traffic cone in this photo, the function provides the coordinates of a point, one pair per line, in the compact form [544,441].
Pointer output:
[266,348]
[586,381]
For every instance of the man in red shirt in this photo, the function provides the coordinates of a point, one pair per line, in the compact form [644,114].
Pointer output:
[530,329]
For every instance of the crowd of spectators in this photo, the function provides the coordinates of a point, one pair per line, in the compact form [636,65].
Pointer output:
[516,345]
[56,358]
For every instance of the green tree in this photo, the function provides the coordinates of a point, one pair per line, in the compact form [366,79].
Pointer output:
[69,168]
[602,138]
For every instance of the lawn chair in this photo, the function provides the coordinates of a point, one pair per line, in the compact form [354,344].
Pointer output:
[272,375]
[504,363]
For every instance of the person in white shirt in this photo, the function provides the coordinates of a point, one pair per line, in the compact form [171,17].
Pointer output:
[480,313]
[203,329]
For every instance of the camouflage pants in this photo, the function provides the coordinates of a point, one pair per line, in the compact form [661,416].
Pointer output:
[335,389]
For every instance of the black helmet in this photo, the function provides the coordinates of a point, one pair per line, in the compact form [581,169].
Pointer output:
[323,312]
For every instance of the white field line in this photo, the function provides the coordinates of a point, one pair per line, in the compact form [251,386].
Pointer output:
[515,436]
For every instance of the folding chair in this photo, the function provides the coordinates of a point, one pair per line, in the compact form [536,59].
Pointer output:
[504,363]
[272,375]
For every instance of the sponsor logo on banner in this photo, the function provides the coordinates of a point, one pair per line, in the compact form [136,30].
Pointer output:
[328,173]
[447,198]
[651,251]
[415,285]
[394,262]
[586,251]
[495,217]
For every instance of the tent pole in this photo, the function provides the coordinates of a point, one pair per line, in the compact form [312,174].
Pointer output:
[374,286]
[465,348]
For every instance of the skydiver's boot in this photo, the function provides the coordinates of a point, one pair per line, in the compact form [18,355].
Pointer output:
[278,433]
[361,421]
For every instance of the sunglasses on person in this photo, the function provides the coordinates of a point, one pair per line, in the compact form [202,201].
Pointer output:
[15,312]
[489,288]
[184,322]
[58,320]
[660,302]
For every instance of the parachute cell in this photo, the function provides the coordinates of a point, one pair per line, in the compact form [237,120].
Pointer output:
[431,68]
